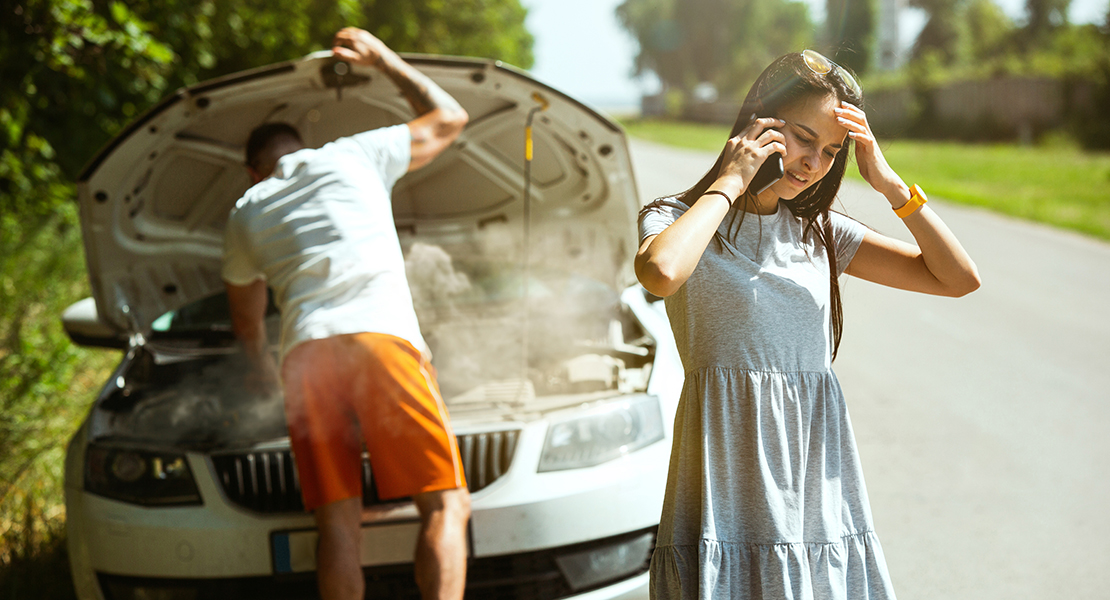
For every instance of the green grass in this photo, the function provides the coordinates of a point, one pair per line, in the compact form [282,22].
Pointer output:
[1056,184]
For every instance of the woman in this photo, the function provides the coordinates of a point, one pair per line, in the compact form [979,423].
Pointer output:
[765,495]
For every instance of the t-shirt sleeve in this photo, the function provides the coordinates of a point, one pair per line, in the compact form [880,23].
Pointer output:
[239,267]
[847,236]
[658,215]
[389,149]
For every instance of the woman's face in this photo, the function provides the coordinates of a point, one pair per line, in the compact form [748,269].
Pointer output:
[813,137]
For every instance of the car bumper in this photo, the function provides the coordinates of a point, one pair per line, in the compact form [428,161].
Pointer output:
[526,532]
[634,588]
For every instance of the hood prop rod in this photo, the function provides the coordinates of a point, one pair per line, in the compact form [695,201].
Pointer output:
[541,105]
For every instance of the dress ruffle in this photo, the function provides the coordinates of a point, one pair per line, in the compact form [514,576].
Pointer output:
[852,567]
[778,511]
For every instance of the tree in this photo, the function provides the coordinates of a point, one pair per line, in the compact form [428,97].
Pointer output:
[988,30]
[723,42]
[108,60]
[653,24]
[850,32]
[1044,17]
[940,38]
[485,28]
[764,31]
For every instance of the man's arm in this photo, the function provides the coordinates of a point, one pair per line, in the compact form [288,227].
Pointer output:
[248,321]
[439,118]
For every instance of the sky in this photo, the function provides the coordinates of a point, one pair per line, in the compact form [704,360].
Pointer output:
[582,50]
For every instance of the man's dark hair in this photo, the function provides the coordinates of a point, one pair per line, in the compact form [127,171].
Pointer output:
[263,135]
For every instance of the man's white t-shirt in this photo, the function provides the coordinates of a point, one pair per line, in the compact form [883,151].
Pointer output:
[320,230]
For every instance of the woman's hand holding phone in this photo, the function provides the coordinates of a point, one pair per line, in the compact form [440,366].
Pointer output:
[665,261]
[748,152]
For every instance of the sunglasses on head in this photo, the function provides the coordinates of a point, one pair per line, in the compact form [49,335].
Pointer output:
[821,65]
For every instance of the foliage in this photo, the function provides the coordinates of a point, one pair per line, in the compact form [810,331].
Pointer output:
[1045,16]
[46,383]
[726,43]
[987,30]
[940,37]
[75,72]
[850,31]
[62,97]
[42,576]
[485,28]
[975,38]
[970,40]
[1057,184]
[85,67]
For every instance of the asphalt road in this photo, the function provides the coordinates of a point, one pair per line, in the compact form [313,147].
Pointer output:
[983,422]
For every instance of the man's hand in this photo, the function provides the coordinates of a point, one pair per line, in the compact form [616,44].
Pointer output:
[248,314]
[358,46]
[264,377]
[439,118]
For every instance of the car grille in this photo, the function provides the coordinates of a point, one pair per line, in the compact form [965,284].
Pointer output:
[266,480]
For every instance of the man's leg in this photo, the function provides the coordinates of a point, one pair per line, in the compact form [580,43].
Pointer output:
[441,549]
[338,569]
[408,434]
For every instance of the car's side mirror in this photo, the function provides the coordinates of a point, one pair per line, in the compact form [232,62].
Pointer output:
[83,325]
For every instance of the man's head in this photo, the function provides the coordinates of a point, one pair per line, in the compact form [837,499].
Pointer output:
[267,143]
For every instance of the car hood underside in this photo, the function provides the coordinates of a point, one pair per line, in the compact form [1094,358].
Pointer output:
[155,201]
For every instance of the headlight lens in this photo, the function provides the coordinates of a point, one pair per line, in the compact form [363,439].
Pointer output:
[602,434]
[140,476]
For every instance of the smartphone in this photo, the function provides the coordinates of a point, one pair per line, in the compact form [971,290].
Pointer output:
[768,174]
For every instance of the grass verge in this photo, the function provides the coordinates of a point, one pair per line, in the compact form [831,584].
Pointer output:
[46,386]
[1058,184]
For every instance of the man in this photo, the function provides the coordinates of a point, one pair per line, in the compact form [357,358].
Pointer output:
[317,227]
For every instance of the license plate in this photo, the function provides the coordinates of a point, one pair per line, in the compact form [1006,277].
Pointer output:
[382,544]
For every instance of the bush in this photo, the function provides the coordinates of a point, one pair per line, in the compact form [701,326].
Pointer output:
[1078,57]
[41,573]
[46,383]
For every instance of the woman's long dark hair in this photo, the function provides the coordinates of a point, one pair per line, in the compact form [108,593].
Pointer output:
[786,82]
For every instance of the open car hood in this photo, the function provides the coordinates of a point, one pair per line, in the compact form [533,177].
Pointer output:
[154,201]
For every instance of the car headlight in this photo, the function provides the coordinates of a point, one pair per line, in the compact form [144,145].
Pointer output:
[602,434]
[141,477]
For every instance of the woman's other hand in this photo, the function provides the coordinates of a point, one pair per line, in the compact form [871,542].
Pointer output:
[938,264]
[746,152]
[872,164]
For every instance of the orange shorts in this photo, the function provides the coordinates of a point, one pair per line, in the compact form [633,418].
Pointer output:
[371,388]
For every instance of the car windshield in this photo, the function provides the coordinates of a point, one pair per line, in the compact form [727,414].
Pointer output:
[205,316]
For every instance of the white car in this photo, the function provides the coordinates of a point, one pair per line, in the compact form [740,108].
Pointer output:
[561,375]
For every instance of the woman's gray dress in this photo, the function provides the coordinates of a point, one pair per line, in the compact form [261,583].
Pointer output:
[765,495]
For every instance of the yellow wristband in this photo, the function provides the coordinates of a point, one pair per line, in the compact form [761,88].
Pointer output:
[917,198]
